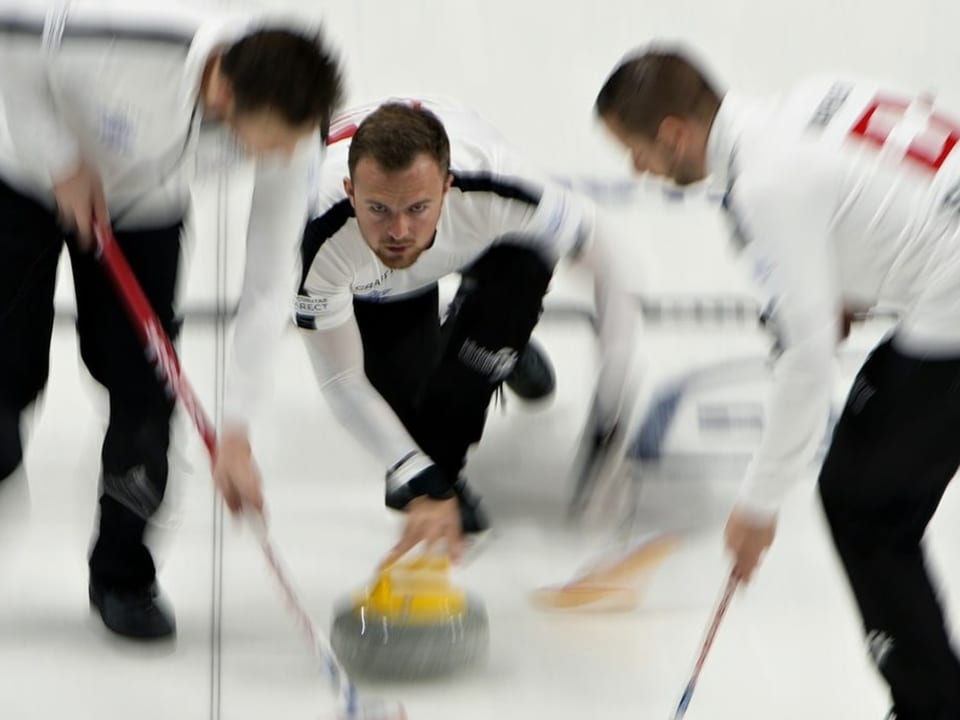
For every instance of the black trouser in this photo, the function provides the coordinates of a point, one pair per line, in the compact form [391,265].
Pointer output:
[134,455]
[894,451]
[439,381]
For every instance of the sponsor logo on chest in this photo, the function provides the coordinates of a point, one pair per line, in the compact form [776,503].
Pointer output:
[115,130]
[830,104]
[374,288]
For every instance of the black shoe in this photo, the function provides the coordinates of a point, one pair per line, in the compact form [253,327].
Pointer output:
[139,614]
[474,523]
[532,377]
[11,447]
[473,518]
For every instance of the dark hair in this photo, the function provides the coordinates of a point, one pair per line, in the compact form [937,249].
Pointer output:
[285,72]
[395,134]
[645,89]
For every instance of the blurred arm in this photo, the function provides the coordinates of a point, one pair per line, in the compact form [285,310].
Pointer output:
[337,358]
[277,217]
[788,231]
[617,324]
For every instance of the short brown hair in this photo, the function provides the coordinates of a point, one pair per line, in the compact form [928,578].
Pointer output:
[395,134]
[295,75]
[645,89]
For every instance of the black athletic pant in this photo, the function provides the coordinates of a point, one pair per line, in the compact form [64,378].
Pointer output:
[894,452]
[134,454]
[439,381]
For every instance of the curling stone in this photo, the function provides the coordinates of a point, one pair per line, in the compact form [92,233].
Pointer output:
[412,625]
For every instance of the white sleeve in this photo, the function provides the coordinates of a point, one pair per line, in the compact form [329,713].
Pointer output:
[36,129]
[616,317]
[787,227]
[277,216]
[549,220]
[556,225]
[337,357]
[326,299]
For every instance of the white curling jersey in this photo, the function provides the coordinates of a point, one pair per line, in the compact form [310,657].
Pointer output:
[495,198]
[840,193]
[117,84]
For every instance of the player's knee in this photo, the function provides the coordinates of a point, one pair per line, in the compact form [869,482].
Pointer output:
[496,309]
[135,465]
[493,364]
[521,270]
[136,434]
[11,447]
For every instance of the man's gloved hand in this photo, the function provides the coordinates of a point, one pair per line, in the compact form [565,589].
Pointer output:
[436,509]
[597,457]
[416,476]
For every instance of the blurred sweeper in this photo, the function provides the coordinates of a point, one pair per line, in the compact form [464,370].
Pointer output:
[842,195]
[100,123]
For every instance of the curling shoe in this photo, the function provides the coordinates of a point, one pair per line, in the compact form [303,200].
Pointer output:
[139,614]
[532,378]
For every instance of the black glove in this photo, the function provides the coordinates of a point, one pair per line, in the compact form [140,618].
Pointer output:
[416,476]
[601,445]
[473,518]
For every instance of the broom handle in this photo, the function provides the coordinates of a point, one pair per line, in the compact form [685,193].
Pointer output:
[162,355]
[157,346]
[721,610]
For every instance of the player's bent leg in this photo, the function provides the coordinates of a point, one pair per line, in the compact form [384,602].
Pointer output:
[134,478]
[487,327]
[533,377]
[30,245]
[134,456]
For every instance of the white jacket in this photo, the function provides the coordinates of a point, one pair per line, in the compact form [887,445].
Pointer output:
[118,87]
[841,194]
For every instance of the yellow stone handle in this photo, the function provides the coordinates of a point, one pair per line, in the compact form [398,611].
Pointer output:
[418,588]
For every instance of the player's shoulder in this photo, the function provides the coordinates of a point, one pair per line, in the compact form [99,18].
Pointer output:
[331,213]
[326,172]
[331,247]
[798,133]
[801,175]
[476,143]
[824,101]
